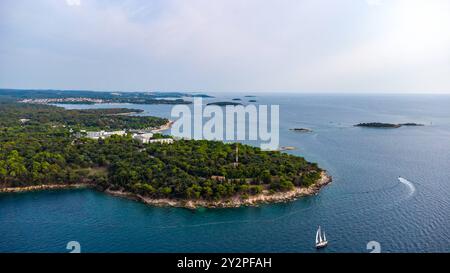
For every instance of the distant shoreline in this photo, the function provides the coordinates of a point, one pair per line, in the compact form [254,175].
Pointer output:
[127,113]
[46,187]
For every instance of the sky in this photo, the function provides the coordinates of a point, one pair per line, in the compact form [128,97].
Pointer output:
[311,46]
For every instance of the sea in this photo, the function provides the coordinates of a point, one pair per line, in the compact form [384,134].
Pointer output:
[366,208]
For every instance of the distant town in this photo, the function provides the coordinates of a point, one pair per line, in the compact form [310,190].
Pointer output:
[92,97]
[63,100]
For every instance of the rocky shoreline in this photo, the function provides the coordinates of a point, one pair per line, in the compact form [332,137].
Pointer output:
[45,187]
[264,198]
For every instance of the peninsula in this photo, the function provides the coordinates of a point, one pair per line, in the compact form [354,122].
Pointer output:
[47,147]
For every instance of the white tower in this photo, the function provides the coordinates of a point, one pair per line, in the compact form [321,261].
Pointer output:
[236,163]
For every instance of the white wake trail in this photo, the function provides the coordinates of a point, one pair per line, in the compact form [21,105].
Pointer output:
[409,184]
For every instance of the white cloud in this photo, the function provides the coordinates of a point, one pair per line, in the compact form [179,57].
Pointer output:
[374,2]
[73,2]
[290,45]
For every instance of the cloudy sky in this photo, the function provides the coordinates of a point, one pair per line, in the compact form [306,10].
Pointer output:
[372,46]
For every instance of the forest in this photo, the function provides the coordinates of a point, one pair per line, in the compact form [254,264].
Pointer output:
[45,150]
[15,114]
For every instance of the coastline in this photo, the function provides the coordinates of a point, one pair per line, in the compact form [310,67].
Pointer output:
[234,202]
[45,187]
[127,113]
[164,127]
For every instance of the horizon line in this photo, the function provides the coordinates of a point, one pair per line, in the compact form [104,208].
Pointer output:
[241,91]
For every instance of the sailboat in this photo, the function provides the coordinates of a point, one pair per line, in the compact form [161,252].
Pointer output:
[321,242]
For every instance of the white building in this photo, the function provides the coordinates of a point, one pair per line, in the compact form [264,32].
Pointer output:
[95,135]
[143,138]
[118,133]
[103,134]
[161,140]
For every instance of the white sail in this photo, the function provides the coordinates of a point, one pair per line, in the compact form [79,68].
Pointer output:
[321,242]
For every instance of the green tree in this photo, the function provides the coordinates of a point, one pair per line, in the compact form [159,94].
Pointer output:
[16,165]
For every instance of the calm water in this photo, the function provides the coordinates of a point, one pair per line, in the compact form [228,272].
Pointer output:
[365,202]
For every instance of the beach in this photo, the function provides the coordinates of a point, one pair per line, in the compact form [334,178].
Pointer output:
[164,127]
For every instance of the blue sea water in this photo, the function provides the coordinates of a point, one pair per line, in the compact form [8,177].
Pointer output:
[366,202]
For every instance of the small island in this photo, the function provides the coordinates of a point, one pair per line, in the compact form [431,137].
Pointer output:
[225,103]
[252,101]
[237,99]
[386,125]
[45,147]
[201,96]
[301,130]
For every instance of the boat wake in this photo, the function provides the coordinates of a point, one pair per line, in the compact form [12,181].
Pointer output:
[383,189]
[409,184]
[403,181]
